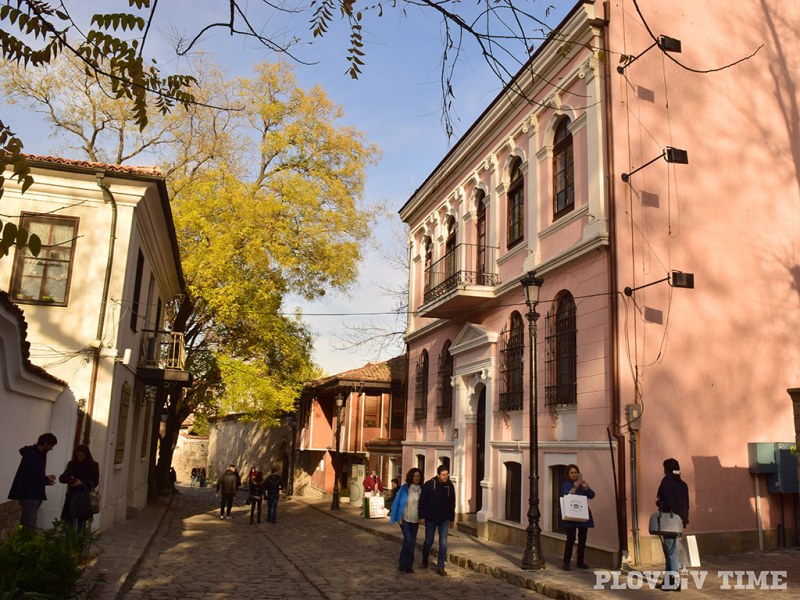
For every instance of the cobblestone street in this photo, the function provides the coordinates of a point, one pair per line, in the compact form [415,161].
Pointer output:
[307,554]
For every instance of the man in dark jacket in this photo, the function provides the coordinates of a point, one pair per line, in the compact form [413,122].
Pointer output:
[31,478]
[437,509]
[273,485]
[227,486]
[673,496]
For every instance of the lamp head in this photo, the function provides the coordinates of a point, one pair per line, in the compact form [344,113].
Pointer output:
[532,285]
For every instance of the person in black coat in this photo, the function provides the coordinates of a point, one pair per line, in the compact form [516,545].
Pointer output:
[31,479]
[673,497]
[256,495]
[273,485]
[575,484]
[82,475]
[437,509]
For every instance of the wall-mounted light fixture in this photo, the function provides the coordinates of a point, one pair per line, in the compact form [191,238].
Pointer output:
[665,43]
[677,279]
[670,154]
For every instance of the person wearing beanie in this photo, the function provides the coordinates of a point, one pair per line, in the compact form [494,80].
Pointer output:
[673,496]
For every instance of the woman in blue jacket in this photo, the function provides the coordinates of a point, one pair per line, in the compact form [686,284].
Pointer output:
[576,485]
[405,510]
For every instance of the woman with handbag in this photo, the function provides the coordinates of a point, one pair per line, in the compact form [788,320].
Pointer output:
[82,475]
[673,497]
[575,484]
[405,511]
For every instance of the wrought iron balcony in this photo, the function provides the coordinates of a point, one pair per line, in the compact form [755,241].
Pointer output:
[420,414]
[560,395]
[163,358]
[511,400]
[444,411]
[461,279]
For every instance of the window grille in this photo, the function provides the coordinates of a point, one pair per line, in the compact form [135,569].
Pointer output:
[445,408]
[421,406]
[561,354]
[512,351]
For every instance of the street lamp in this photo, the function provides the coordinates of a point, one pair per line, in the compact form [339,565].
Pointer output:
[533,558]
[335,502]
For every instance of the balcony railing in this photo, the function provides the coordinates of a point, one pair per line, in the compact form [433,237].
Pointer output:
[162,350]
[511,400]
[420,414]
[444,411]
[467,264]
[559,395]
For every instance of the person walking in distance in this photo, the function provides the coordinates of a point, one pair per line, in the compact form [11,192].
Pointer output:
[256,495]
[672,497]
[273,485]
[405,511]
[227,486]
[576,485]
[437,510]
[31,479]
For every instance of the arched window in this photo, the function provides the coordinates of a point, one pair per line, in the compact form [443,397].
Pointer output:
[563,171]
[445,408]
[450,253]
[421,405]
[562,360]
[511,361]
[480,238]
[516,203]
[428,262]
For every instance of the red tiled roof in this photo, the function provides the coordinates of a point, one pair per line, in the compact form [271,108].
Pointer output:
[382,372]
[128,169]
[25,349]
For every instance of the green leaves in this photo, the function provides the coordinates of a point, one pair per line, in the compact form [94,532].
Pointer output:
[116,21]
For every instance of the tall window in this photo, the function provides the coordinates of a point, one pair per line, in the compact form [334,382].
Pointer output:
[516,203]
[480,238]
[445,408]
[421,464]
[421,406]
[137,290]
[428,263]
[450,250]
[562,360]
[557,477]
[563,171]
[45,279]
[513,492]
[122,422]
[511,357]
[371,411]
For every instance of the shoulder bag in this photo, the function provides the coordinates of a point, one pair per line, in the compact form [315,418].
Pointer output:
[665,524]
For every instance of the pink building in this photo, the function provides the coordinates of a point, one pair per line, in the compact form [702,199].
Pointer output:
[537,184]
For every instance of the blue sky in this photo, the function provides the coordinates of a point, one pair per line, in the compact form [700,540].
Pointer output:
[396,102]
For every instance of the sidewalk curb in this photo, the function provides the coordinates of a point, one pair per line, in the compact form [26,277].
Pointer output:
[528,582]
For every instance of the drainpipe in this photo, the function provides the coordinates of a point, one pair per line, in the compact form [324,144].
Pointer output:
[616,420]
[107,197]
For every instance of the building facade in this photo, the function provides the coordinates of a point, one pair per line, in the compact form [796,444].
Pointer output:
[647,341]
[94,300]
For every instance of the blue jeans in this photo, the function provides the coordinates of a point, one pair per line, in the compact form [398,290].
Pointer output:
[671,575]
[430,530]
[30,512]
[409,544]
[272,507]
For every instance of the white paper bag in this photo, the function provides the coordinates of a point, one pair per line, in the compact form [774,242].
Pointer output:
[574,508]
[689,555]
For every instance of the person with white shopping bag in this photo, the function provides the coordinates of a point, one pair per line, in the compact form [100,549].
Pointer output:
[673,497]
[575,485]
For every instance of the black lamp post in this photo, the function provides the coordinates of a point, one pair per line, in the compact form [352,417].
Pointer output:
[533,558]
[335,502]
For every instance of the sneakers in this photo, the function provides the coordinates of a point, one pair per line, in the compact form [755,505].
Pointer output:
[441,572]
[222,516]
[229,517]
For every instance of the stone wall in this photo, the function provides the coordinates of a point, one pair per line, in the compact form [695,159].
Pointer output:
[9,517]
[245,444]
[190,452]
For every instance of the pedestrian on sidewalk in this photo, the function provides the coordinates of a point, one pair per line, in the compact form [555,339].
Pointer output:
[31,479]
[437,510]
[256,495]
[273,485]
[575,484]
[194,476]
[373,486]
[202,476]
[405,511]
[82,475]
[227,486]
[673,496]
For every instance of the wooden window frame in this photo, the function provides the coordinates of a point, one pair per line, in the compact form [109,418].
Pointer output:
[563,171]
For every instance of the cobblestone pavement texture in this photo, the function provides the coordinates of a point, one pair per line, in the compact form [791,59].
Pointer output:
[186,551]
[306,554]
